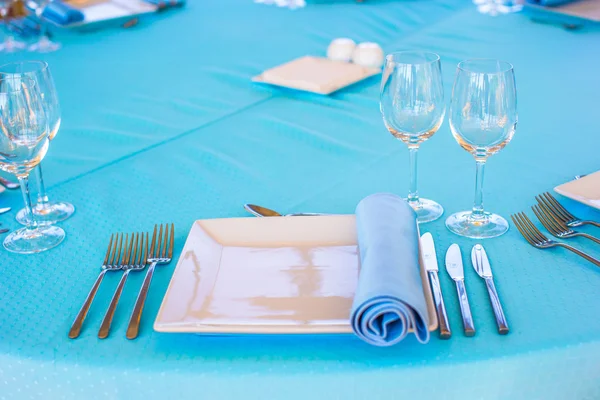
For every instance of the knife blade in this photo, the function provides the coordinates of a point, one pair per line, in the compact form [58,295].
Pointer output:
[431,266]
[454,267]
[482,266]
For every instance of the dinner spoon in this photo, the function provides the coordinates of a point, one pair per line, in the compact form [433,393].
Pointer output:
[260,211]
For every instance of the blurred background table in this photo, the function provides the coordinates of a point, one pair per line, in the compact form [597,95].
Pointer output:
[162,124]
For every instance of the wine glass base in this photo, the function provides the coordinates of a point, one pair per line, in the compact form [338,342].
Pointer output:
[48,214]
[30,241]
[463,224]
[44,45]
[427,210]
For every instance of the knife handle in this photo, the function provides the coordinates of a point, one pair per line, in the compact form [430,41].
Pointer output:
[500,318]
[465,309]
[440,308]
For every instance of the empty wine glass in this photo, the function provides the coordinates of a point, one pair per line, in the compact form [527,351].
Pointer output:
[23,144]
[46,211]
[483,119]
[10,43]
[44,44]
[412,105]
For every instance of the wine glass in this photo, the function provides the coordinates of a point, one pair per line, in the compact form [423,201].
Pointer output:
[44,44]
[483,119]
[23,143]
[47,212]
[10,44]
[412,105]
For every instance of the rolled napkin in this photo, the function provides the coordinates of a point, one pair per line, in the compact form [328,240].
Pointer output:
[389,297]
[62,14]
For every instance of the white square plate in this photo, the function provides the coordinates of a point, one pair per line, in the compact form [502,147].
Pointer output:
[316,74]
[585,190]
[275,275]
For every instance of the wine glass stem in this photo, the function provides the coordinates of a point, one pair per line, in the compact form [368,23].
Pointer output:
[30,221]
[42,196]
[478,213]
[413,194]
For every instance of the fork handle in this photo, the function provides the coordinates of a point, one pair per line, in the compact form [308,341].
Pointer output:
[134,322]
[78,323]
[581,253]
[593,238]
[594,223]
[110,313]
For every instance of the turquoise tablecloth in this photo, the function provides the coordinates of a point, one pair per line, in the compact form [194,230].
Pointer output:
[161,123]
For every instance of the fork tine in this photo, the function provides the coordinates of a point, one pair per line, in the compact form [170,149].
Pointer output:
[163,254]
[172,243]
[546,203]
[558,208]
[533,228]
[151,254]
[117,252]
[114,249]
[159,242]
[145,260]
[559,226]
[527,227]
[525,234]
[125,248]
[108,250]
[135,249]
[544,220]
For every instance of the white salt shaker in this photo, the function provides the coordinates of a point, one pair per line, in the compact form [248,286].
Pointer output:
[368,54]
[341,49]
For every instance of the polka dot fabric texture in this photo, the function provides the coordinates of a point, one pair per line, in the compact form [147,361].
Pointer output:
[158,128]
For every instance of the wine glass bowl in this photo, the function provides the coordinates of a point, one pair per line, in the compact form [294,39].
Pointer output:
[47,212]
[483,120]
[413,109]
[23,144]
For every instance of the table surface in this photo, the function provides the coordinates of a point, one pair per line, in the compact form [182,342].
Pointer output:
[161,123]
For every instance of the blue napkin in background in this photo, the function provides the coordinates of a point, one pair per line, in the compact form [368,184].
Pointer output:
[549,3]
[24,27]
[62,14]
[389,297]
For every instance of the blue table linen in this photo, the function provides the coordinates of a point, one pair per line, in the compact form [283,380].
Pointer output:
[389,298]
[62,14]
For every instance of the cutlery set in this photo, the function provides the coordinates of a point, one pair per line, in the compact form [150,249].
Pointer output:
[129,253]
[558,222]
[454,267]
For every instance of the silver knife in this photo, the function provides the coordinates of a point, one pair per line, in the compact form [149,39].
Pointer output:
[482,267]
[431,266]
[454,267]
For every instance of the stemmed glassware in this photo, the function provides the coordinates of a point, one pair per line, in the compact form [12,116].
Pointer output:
[44,44]
[47,212]
[483,119]
[412,105]
[24,141]
[10,43]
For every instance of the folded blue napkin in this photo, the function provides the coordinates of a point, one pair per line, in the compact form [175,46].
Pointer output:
[389,298]
[62,14]
[24,27]
[549,3]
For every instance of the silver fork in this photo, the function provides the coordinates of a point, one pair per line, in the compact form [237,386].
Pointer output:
[538,240]
[556,227]
[560,212]
[112,261]
[136,253]
[159,254]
